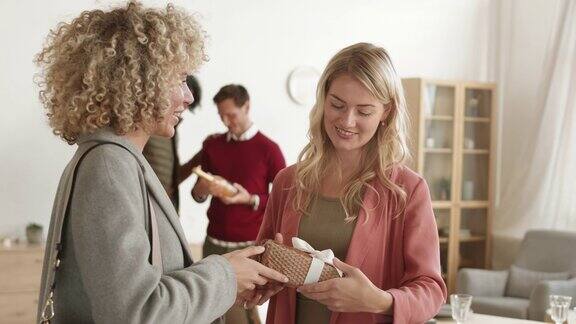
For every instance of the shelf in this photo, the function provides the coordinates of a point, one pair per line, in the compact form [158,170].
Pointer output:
[470,239]
[442,204]
[477,119]
[438,150]
[453,136]
[473,238]
[476,151]
[474,204]
[440,117]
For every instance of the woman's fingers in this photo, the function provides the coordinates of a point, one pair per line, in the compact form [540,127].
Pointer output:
[269,293]
[270,273]
[252,302]
[251,251]
[260,281]
[279,238]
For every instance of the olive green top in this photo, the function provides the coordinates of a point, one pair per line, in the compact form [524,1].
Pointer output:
[323,228]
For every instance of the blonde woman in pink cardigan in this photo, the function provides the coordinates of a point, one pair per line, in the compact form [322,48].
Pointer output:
[350,192]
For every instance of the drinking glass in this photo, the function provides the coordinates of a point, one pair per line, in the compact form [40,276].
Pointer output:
[559,306]
[460,304]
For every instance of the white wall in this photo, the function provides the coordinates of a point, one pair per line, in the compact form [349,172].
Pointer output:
[256,43]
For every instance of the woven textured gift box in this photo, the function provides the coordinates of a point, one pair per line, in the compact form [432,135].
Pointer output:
[292,262]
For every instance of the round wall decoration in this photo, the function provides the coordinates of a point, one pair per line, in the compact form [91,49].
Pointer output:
[301,85]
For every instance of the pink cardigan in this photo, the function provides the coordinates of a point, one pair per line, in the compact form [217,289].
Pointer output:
[400,255]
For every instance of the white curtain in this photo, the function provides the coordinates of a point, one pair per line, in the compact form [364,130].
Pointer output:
[541,191]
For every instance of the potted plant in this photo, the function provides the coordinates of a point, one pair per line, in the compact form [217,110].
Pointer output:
[34,233]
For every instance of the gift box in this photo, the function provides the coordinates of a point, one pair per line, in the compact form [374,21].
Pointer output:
[226,188]
[295,263]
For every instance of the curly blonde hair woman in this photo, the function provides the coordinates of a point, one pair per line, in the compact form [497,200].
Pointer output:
[116,68]
[350,192]
[116,252]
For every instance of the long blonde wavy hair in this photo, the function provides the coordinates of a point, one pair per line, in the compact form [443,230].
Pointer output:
[116,68]
[372,66]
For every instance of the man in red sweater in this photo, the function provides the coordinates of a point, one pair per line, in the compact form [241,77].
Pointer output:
[249,160]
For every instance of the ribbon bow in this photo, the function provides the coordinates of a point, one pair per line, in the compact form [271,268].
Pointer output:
[318,259]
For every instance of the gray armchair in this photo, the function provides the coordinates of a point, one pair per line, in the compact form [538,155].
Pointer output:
[545,265]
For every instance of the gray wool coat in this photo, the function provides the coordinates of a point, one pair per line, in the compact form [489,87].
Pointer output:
[105,275]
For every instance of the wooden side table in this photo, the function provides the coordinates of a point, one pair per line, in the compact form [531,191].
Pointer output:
[20,272]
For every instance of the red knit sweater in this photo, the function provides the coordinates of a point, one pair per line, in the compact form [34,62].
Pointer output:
[253,164]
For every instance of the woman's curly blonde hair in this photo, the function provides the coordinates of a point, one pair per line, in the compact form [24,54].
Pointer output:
[116,68]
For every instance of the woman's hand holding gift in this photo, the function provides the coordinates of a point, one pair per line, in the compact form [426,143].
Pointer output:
[352,293]
[261,294]
[250,273]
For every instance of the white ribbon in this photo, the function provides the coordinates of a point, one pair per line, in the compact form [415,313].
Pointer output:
[318,259]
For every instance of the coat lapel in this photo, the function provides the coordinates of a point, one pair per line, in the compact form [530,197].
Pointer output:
[289,229]
[367,226]
[157,191]
[152,183]
[369,223]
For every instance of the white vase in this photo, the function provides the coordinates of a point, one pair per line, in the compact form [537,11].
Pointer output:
[468,190]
